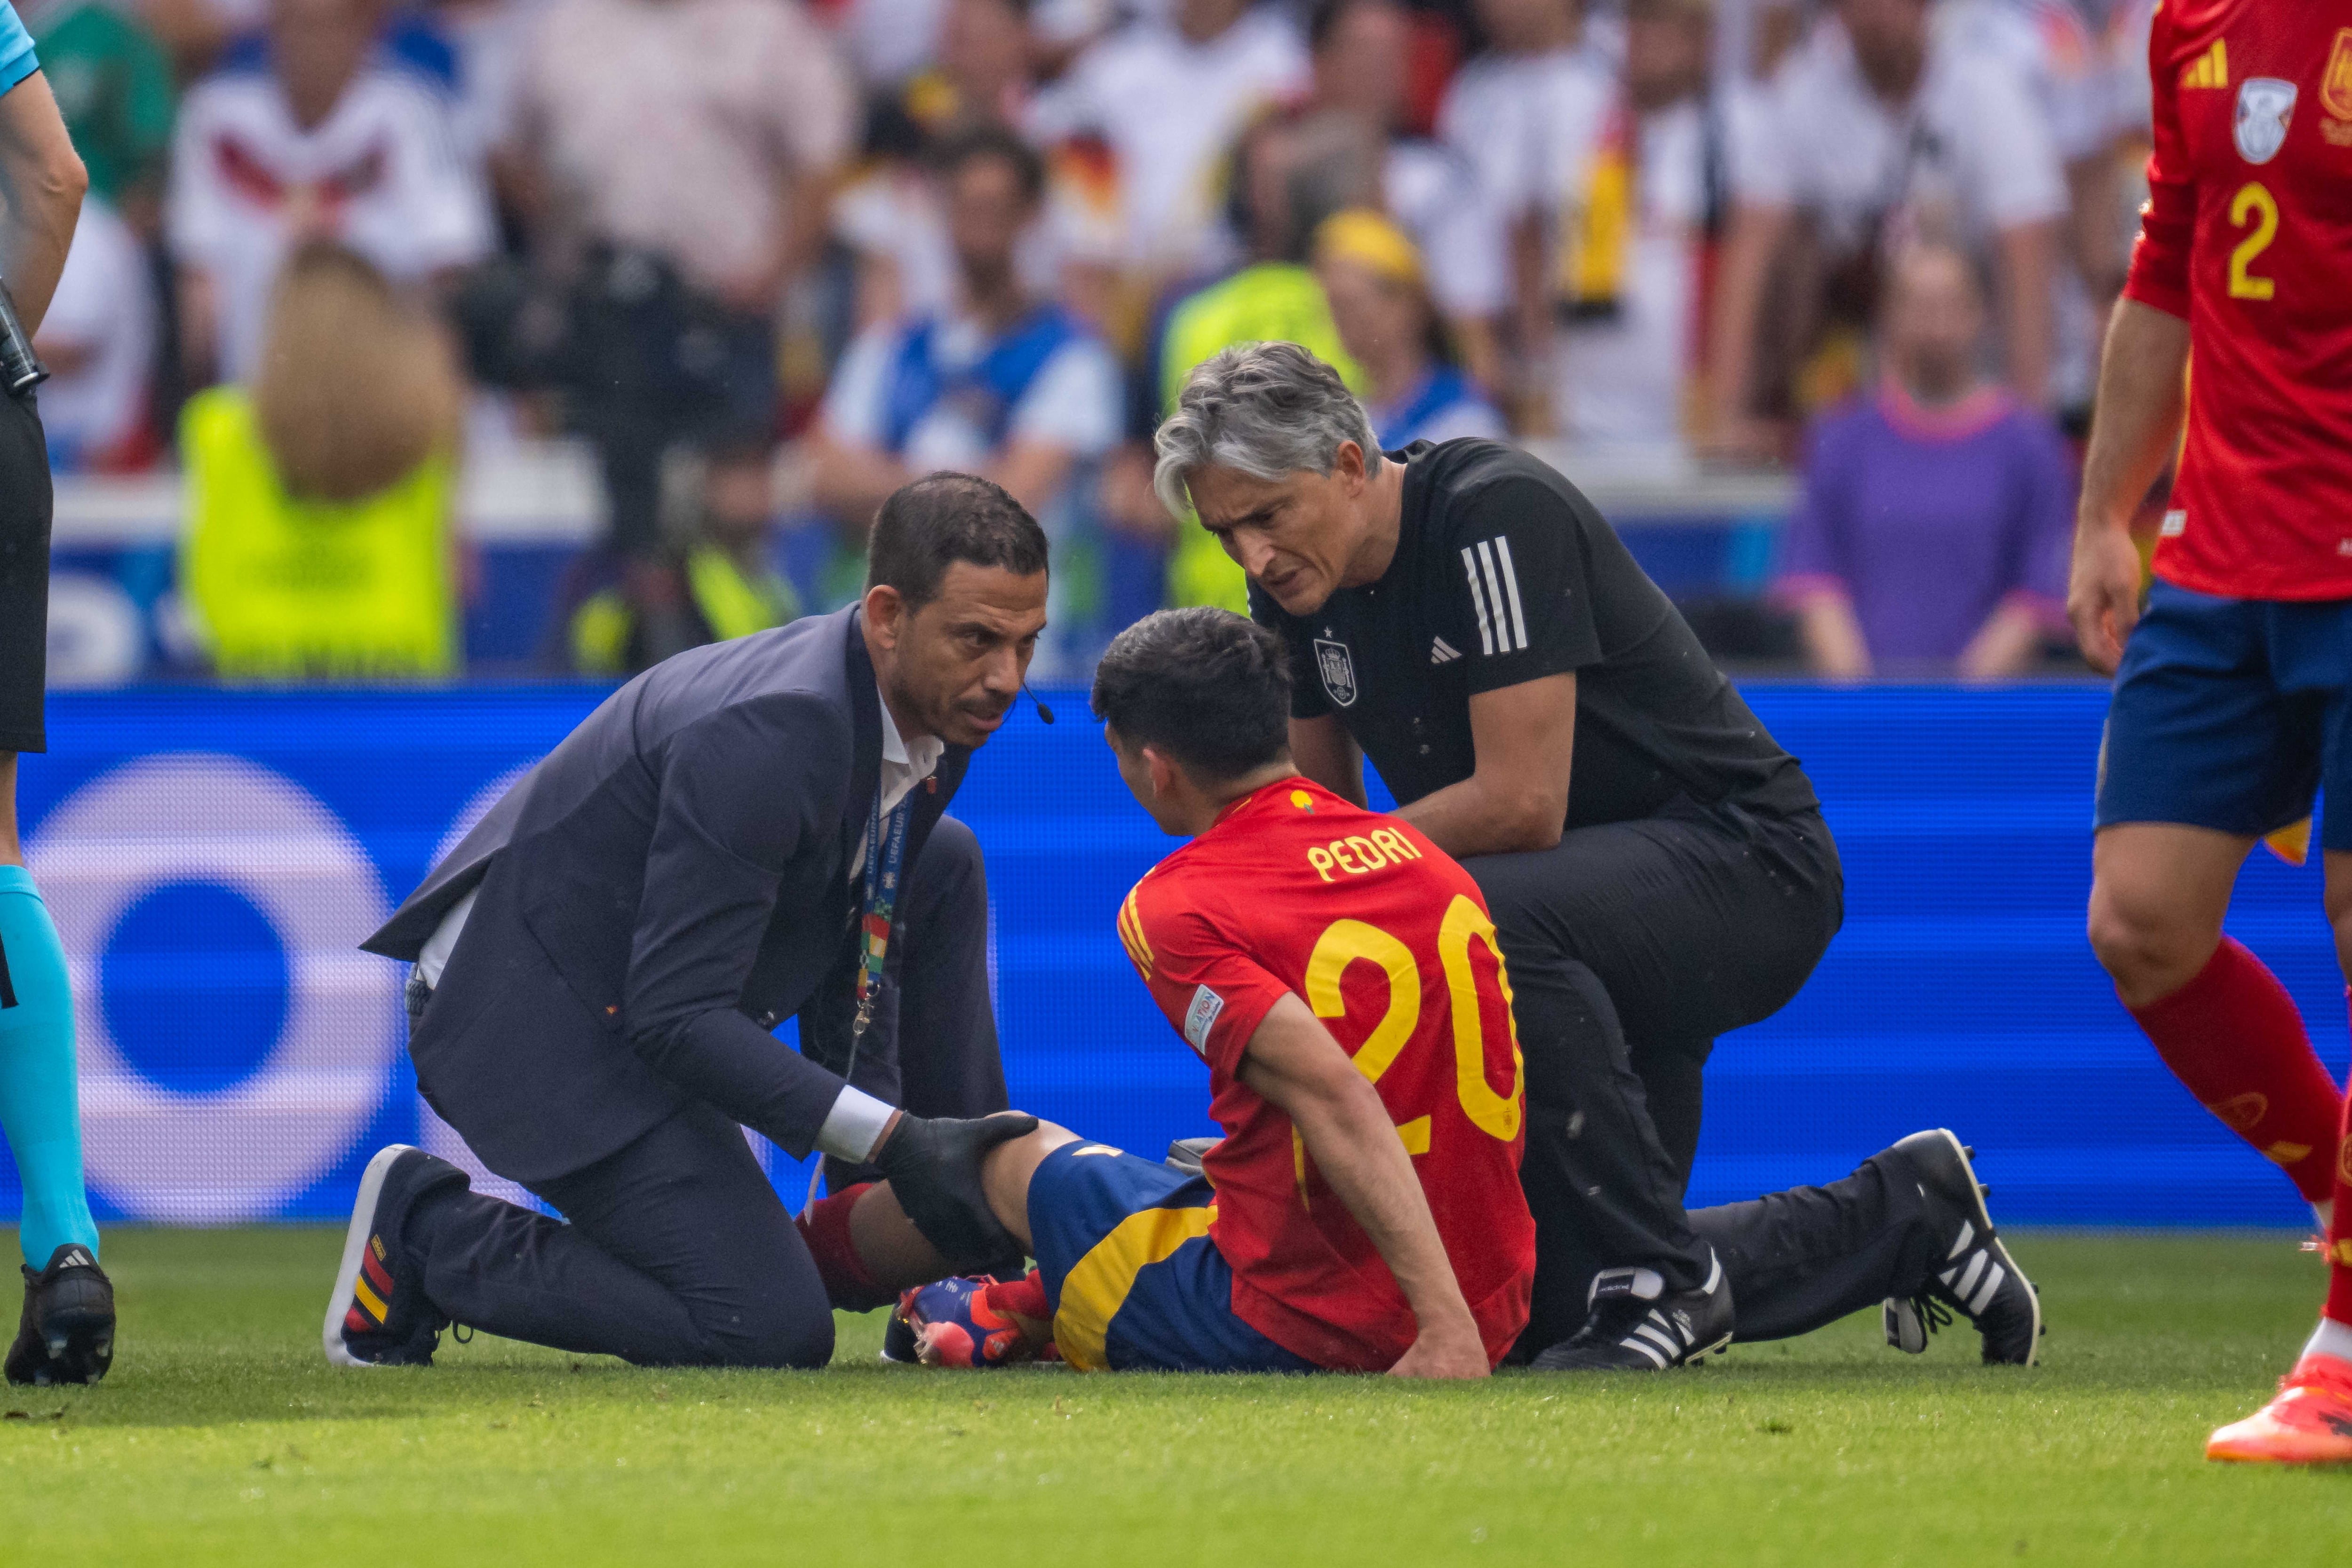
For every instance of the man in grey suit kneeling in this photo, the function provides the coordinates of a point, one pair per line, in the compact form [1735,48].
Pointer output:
[748,831]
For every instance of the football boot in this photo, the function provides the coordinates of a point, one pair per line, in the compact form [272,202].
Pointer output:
[1636,1324]
[1973,1275]
[968,1324]
[2310,1422]
[379,1314]
[67,1334]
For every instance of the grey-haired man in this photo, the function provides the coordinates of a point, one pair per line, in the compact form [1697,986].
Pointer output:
[1657,864]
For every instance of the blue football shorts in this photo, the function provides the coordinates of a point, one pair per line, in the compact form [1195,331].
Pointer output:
[1135,1283]
[2232,714]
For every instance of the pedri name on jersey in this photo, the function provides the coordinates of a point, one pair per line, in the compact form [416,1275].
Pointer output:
[1360,854]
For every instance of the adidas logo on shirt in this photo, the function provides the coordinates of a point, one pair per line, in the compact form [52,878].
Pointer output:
[2211,69]
[1441,651]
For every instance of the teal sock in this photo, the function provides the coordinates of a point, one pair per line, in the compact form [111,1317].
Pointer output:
[39,1109]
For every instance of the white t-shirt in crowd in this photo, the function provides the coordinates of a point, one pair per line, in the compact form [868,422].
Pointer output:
[105,304]
[1739,26]
[1969,155]
[384,169]
[889,40]
[491,41]
[2046,42]
[1433,192]
[1528,123]
[1619,382]
[1072,401]
[2124,50]
[1532,125]
[673,123]
[1168,108]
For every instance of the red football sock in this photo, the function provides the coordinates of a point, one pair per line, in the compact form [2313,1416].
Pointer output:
[825,1228]
[1024,1297]
[2233,1037]
[2339,1233]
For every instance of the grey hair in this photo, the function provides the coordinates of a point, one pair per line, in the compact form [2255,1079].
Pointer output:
[1266,410]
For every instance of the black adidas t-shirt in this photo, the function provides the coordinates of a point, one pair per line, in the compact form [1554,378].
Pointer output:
[1505,573]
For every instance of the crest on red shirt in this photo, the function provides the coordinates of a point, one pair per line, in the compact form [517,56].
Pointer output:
[2264,106]
[2336,81]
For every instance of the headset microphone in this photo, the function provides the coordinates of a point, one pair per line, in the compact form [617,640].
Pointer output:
[1043,711]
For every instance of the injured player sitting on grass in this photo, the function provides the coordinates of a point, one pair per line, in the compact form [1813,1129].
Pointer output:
[1341,979]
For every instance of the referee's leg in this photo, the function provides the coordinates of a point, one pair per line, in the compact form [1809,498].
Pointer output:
[68,1301]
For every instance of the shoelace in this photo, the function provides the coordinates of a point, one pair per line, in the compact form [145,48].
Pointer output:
[1932,1312]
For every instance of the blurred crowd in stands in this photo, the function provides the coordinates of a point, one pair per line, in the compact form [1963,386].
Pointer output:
[769,258]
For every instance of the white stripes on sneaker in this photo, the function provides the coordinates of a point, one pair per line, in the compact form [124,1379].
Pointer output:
[1495,595]
[1980,1279]
[1664,1340]
[1657,1338]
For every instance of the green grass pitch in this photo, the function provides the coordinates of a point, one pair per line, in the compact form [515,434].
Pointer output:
[221,1437]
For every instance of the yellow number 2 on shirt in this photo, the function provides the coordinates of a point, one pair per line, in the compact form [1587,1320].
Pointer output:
[2253,200]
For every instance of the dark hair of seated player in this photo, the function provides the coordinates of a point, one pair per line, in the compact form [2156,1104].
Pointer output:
[1205,686]
[928,526]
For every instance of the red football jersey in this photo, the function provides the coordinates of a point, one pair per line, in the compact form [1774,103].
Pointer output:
[2248,234]
[1295,892]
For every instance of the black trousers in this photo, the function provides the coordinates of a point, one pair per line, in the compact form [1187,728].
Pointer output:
[675,1251]
[1632,946]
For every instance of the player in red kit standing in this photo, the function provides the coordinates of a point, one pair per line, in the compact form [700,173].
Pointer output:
[2233,690]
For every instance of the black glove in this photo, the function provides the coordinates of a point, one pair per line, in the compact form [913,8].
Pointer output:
[933,1166]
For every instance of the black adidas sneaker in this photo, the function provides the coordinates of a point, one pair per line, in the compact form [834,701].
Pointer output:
[67,1334]
[379,1314]
[1636,1326]
[1973,1276]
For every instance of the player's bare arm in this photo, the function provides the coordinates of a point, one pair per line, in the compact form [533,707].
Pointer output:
[41,181]
[1295,1063]
[1517,796]
[2141,404]
[1321,748]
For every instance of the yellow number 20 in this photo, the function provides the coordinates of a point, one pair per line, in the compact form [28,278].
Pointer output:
[1345,942]
[2253,201]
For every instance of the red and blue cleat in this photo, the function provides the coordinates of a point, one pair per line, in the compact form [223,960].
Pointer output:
[977,1322]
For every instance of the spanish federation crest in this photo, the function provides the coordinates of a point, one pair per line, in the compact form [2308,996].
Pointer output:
[2336,81]
[2264,106]
[1338,671]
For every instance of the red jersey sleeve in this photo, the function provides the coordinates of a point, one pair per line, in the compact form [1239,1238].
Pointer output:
[1213,992]
[2160,261]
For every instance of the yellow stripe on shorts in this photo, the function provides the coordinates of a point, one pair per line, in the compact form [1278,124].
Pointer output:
[1094,1290]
